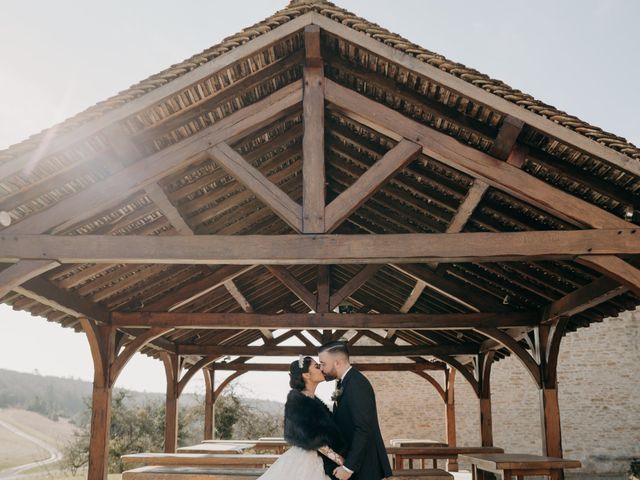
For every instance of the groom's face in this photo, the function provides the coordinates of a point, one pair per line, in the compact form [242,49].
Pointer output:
[328,366]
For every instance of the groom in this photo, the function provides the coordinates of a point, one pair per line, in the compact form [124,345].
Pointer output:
[356,415]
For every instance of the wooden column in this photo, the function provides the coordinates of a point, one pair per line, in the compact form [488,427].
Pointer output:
[172,367]
[450,377]
[102,344]
[547,344]
[483,372]
[209,404]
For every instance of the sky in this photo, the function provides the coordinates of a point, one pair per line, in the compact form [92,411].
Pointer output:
[58,58]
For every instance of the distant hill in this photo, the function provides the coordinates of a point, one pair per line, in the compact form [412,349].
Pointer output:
[65,397]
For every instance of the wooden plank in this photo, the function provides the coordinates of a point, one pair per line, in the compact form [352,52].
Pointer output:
[57,143]
[369,183]
[331,249]
[520,461]
[171,213]
[313,167]
[306,321]
[15,275]
[591,295]
[273,197]
[192,473]
[411,300]
[420,474]
[246,306]
[479,95]
[279,351]
[353,284]
[199,459]
[293,284]
[99,196]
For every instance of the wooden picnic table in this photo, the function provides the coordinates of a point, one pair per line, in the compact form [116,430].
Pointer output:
[434,453]
[415,442]
[275,445]
[199,460]
[517,465]
[422,474]
[226,448]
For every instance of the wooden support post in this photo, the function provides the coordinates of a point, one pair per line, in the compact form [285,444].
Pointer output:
[483,372]
[172,367]
[547,344]
[209,404]
[102,345]
[324,289]
[450,377]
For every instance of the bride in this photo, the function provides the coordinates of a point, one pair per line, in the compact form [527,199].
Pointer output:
[308,428]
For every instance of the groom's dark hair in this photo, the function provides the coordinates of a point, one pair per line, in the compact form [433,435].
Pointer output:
[335,347]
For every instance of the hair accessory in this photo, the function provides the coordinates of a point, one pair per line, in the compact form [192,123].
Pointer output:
[301,362]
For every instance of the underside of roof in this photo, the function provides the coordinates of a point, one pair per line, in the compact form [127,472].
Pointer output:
[47,181]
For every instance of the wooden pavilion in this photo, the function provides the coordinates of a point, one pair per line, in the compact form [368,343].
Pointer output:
[318,174]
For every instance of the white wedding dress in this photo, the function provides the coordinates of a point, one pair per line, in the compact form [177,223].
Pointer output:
[297,463]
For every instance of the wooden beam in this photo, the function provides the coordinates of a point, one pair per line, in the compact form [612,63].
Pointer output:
[507,137]
[306,321]
[293,284]
[467,207]
[370,182]
[66,301]
[171,213]
[187,294]
[245,173]
[56,142]
[323,289]
[615,268]
[352,285]
[591,295]
[478,95]
[278,351]
[330,249]
[133,347]
[15,275]
[127,181]
[313,168]
[246,306]
[409,302]
[363,367]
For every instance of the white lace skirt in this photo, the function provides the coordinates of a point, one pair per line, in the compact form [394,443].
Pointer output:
[296,463]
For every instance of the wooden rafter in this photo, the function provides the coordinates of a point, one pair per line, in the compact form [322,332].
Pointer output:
[411,300]
[362,366]
[171,213]
[507,136]
[261,186]
[15,275]
[467,207]
[359,279]
[293,284]
[305,321]
[246,306]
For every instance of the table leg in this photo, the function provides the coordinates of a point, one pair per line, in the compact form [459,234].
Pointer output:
[474,472]
[452,465]
[435,463]
[507,475]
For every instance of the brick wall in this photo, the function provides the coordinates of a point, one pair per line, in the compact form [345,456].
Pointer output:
[599,394]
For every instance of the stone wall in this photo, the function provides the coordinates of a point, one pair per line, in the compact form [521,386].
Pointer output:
[599,394]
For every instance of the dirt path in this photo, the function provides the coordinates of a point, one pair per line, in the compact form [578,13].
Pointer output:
[14,472]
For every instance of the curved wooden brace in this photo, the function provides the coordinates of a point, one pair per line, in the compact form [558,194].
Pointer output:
[485,361]
[203,362]
[98,350]
[514,347]
[435,384]
[133,347]
[171,369]
[466,373]
[553,351]
[224,383]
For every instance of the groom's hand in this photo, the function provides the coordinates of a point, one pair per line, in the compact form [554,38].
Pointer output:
[341,474]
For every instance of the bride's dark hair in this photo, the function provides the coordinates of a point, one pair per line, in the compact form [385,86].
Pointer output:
[296,381]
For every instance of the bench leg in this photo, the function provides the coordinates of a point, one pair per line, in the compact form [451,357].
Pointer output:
[507,475]
[452,465]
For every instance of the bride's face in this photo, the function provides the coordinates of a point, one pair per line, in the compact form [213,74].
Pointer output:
[315,374]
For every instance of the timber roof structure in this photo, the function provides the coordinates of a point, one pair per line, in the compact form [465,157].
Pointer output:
[318,125]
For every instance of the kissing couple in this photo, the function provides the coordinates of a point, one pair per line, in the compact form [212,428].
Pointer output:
[343,444]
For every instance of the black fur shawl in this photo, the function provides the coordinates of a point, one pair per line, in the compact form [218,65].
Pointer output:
[308,423]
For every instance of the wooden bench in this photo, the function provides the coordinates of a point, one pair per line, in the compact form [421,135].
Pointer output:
[263,445]
[434,453]
[421,474]
[199,460]
[518,465]
[195,473]
[192,473]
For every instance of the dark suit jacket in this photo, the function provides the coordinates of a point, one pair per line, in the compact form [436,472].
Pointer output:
[357,418]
